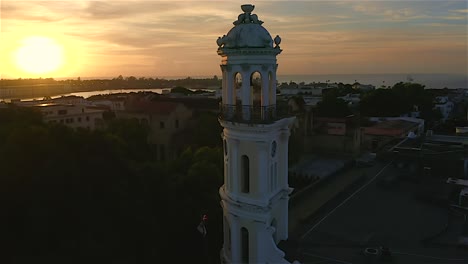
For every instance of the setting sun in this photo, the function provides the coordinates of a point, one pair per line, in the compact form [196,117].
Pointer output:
[39,55]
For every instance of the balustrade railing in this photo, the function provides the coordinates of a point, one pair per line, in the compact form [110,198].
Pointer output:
[252,114]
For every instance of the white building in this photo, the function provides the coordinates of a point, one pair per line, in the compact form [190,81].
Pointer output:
[74,116]
[309,89]
[445,106]
[255,193]
[363,87]
[70,99]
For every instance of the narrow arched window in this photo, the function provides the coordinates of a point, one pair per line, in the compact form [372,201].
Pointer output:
[244,245]
[245,174]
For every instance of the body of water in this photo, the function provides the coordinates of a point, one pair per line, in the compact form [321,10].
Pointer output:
[97,92]
[92,93]
[104,92]
[431,81]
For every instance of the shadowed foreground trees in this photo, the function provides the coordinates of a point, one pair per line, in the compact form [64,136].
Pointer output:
[333,107]
[97,197]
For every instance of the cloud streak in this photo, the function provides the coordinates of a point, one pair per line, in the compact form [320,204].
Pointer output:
[178,37]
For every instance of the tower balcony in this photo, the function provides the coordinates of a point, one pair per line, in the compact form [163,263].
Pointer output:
[253,114]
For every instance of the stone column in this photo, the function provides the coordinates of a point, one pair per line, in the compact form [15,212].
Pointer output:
[233,175]
[246,93]
[283,158]
[265,103]
[224,92]
[235,240]
[226,159]
[262,178]
[265,88]
[260,242]
[230,93]
[273,83]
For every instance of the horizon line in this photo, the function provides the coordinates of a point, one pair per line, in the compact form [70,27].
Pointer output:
[173,77]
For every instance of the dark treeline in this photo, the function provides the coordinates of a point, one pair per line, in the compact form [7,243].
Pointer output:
[20,82]
[80,196]
[120,82]
[398,100]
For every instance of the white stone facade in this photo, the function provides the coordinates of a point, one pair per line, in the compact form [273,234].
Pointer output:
[255,193]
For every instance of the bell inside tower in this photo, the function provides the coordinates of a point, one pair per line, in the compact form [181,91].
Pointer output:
[256,88]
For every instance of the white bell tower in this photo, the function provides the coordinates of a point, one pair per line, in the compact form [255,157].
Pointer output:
[255,193]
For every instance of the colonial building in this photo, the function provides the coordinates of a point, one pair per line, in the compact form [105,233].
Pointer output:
[74,116]
[339,135]
[255,193]
[165,121]
[384,131]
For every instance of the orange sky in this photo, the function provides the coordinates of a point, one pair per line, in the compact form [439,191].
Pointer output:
[178,38]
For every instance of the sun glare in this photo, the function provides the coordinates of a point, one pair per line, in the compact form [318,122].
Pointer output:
[39,55]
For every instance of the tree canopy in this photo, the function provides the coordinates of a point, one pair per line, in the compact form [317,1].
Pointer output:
[400,99]
[333,107]
[75,196]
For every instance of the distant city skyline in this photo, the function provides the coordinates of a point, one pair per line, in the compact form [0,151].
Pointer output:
[178,38]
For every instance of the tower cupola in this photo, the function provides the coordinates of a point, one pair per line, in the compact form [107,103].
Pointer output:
[249,70]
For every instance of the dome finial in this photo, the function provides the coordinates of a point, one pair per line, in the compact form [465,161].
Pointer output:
[247,17]
[248,8]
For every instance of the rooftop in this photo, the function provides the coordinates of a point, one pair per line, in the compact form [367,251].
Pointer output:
[53,105]
[394,124]
[390,127]
[155,107]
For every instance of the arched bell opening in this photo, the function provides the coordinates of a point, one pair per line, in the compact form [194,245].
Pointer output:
[256,88]
[232,104]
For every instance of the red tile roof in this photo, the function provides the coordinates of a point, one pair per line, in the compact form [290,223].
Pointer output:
[390,128]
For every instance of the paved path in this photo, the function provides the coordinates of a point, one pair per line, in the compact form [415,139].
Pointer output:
[305,206]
